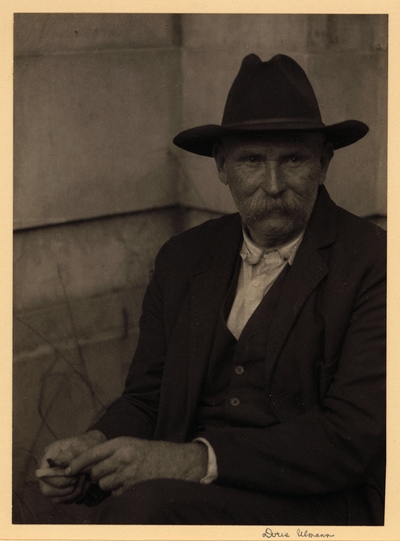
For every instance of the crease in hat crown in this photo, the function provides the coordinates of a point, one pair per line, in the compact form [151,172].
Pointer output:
[269,96]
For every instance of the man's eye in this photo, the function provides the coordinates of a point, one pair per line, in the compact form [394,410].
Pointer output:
[252,159]
[293,159]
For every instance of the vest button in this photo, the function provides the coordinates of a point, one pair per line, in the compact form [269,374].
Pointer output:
[234,401]
[239,369]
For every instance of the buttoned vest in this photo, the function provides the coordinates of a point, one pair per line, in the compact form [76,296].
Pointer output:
[235,392]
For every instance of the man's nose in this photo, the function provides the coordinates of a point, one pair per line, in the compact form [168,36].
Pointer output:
[273,182]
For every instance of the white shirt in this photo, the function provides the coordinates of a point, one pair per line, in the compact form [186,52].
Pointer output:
[259,269]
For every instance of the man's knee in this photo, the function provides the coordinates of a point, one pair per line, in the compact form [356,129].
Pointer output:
[156,501]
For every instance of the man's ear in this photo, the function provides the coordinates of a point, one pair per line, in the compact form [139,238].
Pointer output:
[218,153]
[327,155]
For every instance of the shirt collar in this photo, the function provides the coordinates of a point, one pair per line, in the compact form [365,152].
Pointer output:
[252,253]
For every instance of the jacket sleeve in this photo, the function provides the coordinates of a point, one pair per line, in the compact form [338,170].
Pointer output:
[135,412]
[334,445]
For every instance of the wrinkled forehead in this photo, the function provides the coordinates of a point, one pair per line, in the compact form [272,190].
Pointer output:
[307,139]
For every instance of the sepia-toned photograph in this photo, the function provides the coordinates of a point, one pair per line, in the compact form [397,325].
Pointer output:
[199,270]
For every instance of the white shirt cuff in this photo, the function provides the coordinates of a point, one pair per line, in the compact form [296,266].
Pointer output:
[212,470]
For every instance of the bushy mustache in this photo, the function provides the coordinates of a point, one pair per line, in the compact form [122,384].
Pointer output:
[289,204]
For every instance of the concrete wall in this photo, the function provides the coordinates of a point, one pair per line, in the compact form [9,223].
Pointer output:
[99,185]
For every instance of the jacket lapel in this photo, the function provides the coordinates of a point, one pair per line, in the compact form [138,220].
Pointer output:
[189,354]
[307,271]
[209,286]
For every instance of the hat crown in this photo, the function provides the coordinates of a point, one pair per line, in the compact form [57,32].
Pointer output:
[276,90]
[267,97]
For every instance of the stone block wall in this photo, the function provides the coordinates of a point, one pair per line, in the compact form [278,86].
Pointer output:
[97,103]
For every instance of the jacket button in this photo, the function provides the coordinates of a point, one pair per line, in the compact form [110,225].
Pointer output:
[234,401]
[239,369]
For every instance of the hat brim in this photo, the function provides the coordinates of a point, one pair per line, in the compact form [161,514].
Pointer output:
[202,139]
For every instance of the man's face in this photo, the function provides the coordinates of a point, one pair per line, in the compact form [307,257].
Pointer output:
[274,181]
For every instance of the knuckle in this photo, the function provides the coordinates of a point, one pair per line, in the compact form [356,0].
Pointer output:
[95,474]
[103,484]
[69,490]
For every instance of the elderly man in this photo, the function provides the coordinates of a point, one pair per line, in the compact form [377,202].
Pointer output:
[257,391]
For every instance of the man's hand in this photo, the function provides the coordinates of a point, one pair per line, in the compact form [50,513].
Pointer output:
[119,463]
[52,480]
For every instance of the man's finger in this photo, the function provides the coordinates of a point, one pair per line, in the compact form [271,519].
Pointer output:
[119,489]
[81,487]
[59,481]
[90,457]
[118,492]
[64,458]
[103,468]
[50,472]
[55,492]
[112,482]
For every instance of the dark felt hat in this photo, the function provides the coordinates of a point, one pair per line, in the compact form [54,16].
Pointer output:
[269,96]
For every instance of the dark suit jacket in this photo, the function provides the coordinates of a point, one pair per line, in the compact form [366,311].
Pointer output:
[324,367]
